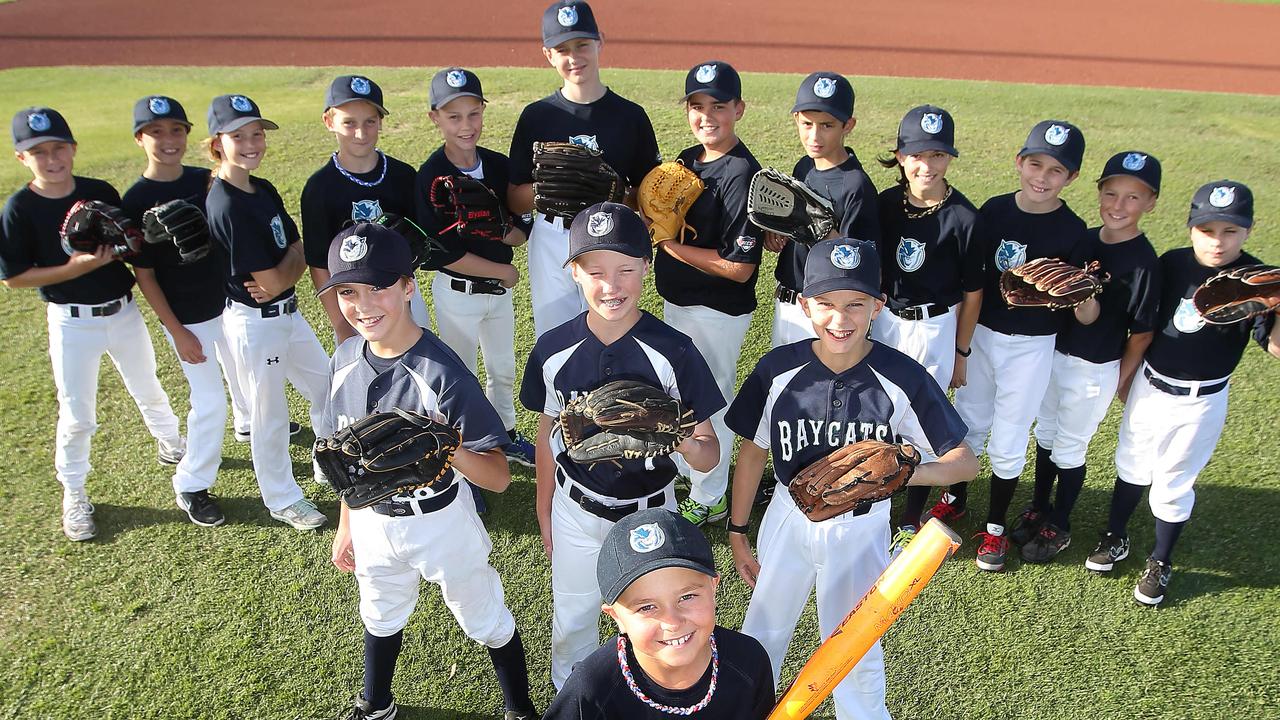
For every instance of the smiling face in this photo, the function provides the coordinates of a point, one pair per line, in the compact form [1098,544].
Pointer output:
[1122,201]
[461,121]
[50,162]
[164,141]
[577,60]
[356,126]
[841,319]
[1042,178]
[712,121]
[244,147]
[1218,243]
[821,134]
[378,313]
[669,615]
[925,171]
[611,283]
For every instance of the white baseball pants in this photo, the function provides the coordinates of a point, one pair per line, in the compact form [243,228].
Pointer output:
[555,296]
[1075,403]
[930,342]
[790,324]
[487,322]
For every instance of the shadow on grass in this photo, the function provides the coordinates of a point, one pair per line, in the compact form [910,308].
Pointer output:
[409,712]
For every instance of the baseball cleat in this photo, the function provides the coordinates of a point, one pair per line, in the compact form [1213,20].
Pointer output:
[520,451]
[699,514]
[946,513]
[77,517]
[1111,549]
[201,508]
[243,435]
[1026,525]
[1047,544]
[901,539]
[362,711]
[301,515]
[1153,583]
[171,453]
[991,551]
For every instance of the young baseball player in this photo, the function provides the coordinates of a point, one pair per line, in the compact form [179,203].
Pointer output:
[471,293]
[270,339]
[583,111]
[933,284]
[188,299]
[609,251]
[358,183]
[1176,408]
[1091,361]
[430,533]
[90,307]
[658,580]
[708,282]
[1012,348]
[803,401]
[824,117]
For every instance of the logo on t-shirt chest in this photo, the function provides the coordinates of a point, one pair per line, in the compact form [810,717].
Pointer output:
[795,435]
[277,232]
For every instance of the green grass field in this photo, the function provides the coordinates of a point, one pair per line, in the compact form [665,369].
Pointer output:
[160,619]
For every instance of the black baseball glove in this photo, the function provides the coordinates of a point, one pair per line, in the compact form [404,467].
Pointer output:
[568,178]
[91,224]
[624,420]
[181,223]
[385,454]
[426,250]
[471,207]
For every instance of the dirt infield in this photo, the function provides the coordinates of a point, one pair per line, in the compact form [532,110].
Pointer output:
[1183,44]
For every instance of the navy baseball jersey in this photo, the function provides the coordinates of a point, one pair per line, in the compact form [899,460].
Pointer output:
[568,361]
[196,291]
[428,378]
[799,410]
[1011,237]
[933,259]
[720,217]
[1185,347]
[615,126]
[254,231]
[1128,303]
[333,198]
[853,198]
[597,689]
[30,237]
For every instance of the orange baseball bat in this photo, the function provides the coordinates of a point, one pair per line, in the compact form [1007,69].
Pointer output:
[897,586]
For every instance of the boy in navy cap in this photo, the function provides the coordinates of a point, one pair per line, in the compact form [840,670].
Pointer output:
[658,580]
[803,401]
[90,307]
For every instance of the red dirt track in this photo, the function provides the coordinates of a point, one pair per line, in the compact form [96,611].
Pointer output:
[1182,44]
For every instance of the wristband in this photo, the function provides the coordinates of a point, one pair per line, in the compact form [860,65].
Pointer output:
[964,353]
[738,529]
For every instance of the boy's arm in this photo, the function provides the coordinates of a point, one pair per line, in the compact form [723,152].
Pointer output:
[1273,337]
[1135,348]
[187,344]
[284,275]
[520,198]
[343,554]
[702,449]
[1088,311]
[78,264]
[966,321]
[709,261]
[746,479]
[545,472]
[957,465]
[341,328]
[487,469]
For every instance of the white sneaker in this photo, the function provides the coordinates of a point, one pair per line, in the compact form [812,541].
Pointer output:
[77,517]
[302,515]
[171,453]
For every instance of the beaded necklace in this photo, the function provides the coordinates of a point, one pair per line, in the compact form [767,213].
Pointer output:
[635,689]
[913,213]
[365,183]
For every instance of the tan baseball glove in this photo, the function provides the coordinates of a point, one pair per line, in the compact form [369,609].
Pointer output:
[665,195]
[852,476]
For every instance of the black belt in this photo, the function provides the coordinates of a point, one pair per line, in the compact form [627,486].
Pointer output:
[1163,386]
[920,312]
[103,310]
[284,307]
[477,287]
[785,294]
[427,505]
[612,513]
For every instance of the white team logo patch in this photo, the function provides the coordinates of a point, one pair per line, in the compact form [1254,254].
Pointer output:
[1134,162]
[931,123]
[846,257]
[455,78]
[158,105]
[705,74]
[1222,196]
[647,538]
[360,86]
[599,224]
[1056,135]
[586,141]
[1186,318]
[1010,254]
[824,87]
[240,103]
[910,254]
[353,248]
[38,122]
[368,210]
[567,16]
[277,232]
[745,243]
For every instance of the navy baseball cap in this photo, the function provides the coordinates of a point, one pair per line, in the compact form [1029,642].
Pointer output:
[1058,139]
[1225,200]
[368,254]
[36,125]
[350,88]
[157,107]
[925,128]
[609,226]
[452,83]
[828,92]
[842,264]
[231,112]
[715,78]
[1134,164]
[568,20]
[650,540]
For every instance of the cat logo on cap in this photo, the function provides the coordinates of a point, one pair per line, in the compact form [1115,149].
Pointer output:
[910,254]
[38,121]
[846,257]
[240,103]
[1134,162]
[158,105]
[647,538]
[456,78]
[353,248]
[567,16]
[705,74]
[599,224]
[360,86]
[931,123]
[1056,135]
[824,87]
[1222,196]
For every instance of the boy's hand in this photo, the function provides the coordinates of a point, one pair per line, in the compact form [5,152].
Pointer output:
[510,276]
[959,374]
[343,556]
[774,242]
[188,346]
[744,560]
[256,292]
[94,260]
[515,237]
[544,527]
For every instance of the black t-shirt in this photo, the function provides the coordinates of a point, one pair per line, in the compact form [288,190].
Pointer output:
[720,217]
[597,689]
[30,228]
[196,291]
[852,196]
[1185,347]
[930,259]
[1128,302]
[615,126]
[331,199]
[1011,237]
[253,229]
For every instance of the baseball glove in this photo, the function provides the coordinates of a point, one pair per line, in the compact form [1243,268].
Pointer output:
[385,454]
[1051,283]
[181,223]
[1238,294]
[782,204]
[426,250]
[91,224]
[568,178]
[852,476]
[630,420]
[471,206]
[665,195]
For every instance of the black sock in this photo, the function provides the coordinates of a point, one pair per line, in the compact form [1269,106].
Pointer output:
[1166,535]
[1046,473]
[380,655]
[917,496]
[1070,481]
[960,491]
[1124,500]
[513,675]
[1001,496]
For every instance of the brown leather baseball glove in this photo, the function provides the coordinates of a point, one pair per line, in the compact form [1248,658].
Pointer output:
[1238,294]
[624,420]
[1051,283]
[852,476]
